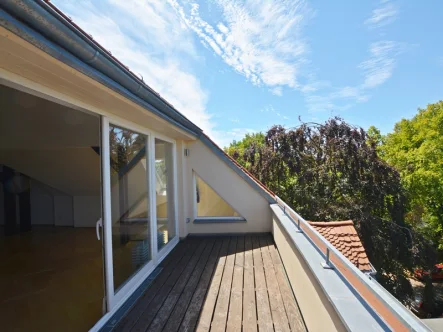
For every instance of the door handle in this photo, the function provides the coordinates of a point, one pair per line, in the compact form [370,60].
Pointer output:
[98,224]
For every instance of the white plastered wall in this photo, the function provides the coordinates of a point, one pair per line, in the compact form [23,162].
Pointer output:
[235,190]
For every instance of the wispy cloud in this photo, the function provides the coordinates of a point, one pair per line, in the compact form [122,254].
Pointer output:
[383,15]
[278,91]
[380,66]
[260,40]
[271,109]
[162,62]
[376,69]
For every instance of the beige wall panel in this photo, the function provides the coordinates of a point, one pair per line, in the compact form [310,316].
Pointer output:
[317,311]
[231,187]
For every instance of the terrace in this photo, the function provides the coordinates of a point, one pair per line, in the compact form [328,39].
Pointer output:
[291,280]
[171,235]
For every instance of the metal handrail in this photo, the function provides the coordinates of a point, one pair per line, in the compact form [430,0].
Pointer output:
[391,303]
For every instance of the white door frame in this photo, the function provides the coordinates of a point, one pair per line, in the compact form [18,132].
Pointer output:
[116,299]
[160,255]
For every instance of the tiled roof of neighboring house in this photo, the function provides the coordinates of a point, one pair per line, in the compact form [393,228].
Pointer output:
[343,236]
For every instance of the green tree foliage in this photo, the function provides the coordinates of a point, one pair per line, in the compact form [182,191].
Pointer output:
[332,171]
[415,149]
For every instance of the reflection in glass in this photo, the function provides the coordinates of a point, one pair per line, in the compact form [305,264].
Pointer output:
[131,244]
[164,189]
[210,204]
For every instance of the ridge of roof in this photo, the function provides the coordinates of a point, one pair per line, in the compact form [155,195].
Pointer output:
[332,223]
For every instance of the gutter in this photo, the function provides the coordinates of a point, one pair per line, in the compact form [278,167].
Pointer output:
[49,26]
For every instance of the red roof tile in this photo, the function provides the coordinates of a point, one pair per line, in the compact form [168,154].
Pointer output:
[344,237]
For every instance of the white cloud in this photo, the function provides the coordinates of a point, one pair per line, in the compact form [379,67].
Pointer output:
[383,15]
[271,109]
[377,69]
[380,66]
[135,32]
[278,91]
[260,40]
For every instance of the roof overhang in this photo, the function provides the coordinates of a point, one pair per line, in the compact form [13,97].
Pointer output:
[41,25]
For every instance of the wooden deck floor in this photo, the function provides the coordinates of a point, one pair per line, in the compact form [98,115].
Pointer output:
[232,283]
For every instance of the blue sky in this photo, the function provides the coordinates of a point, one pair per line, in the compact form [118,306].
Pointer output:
[235,67]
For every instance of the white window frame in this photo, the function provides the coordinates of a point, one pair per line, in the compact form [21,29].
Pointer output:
[171,244]
[196,217]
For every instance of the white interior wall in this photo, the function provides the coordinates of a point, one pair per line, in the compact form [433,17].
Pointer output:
[50,206]
[230,186]
[63,210]
[42,204]
[87,210]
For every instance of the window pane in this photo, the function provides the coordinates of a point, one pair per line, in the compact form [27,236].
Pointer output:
[131,241]
[164,189]
[210,204]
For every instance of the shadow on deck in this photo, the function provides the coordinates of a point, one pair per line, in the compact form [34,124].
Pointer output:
[220,283]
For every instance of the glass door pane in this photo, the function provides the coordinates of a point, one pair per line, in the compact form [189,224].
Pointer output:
[51,272]
[164,188]
[129,169]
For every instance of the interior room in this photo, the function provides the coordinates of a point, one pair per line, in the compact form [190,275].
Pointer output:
[50,200]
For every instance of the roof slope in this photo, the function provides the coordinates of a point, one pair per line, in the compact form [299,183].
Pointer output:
[343,236]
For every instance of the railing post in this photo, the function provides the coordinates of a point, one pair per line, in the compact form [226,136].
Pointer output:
[299,230]
[327,263]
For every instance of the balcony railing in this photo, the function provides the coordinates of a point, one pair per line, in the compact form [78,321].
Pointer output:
[381,306]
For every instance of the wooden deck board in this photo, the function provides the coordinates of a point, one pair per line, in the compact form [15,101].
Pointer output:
[222,306]
[222,283]
[275,298]
[265,322]
[192,269]
[204,323]
[249,307]
[234,322]
[293,313]
[168,264]
[185,319]
[147,317]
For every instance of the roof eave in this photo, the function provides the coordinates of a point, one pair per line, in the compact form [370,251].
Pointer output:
[44,26]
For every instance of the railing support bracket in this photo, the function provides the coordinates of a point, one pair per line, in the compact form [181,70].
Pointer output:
[327,264]
[299,230]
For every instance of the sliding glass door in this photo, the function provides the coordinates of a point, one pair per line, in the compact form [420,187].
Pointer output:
[140,223]
[131,235]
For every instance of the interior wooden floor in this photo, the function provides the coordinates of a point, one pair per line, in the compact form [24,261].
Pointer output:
[51,279]
[235,283]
